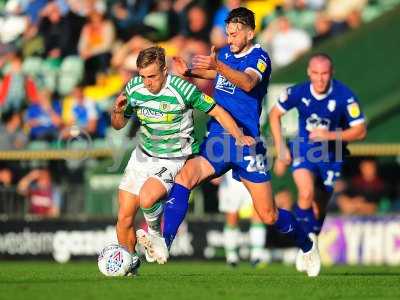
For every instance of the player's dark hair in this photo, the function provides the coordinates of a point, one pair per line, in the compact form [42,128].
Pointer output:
[151,55]
[323,56]
[243,16]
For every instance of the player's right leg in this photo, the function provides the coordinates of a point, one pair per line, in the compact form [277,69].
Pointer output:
[128,206]
[125,229]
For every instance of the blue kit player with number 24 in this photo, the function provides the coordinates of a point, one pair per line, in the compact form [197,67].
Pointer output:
[241,73]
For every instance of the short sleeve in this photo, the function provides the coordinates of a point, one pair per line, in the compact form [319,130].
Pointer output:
[260,64]
[353,113]
[287,100]
[201,101]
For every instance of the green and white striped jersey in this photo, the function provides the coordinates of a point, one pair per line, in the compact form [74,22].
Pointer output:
[166,118]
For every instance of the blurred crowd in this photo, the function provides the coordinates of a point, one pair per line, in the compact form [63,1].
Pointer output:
[62,62]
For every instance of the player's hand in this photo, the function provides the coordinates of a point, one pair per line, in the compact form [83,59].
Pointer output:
[120,102]
[283,155]
[320,134]
[180,65]
[208,62]
[245,140]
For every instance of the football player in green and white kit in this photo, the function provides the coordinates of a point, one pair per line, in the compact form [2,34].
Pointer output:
[164,105]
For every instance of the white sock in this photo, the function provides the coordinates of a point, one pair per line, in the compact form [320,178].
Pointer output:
[153,216]
[231,243]
[258,233]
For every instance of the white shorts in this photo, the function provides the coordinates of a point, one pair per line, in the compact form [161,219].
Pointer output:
[142,167]
[232,195]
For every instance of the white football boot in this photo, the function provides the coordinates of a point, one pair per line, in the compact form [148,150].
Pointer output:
[155,246]
[311,259]
[299,258]
[144,240]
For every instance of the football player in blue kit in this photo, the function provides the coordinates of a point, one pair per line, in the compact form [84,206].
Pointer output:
[329,118]
[241,72]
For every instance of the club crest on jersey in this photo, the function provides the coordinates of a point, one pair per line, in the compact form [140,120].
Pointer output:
[164,106]
[261,65]
[331,105]
[225,85]
[354,110]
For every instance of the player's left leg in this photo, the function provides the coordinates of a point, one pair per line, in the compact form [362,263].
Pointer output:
[305,184]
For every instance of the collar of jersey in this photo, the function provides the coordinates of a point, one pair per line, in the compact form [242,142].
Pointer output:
[163,89]
[247,52]
[320,96]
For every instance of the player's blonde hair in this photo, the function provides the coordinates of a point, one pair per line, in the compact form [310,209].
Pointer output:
[151,55]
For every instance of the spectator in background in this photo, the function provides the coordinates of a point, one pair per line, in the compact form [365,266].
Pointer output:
[6,177]
[82,113]
[197,27]
[43,197]
[288,43]
[128,17]
[12,136]
[16,88]
[217,35]
[95,44]
[43,118]
[322,28]
[362,195]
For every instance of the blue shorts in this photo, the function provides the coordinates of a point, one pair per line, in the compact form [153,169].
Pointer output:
[326,171]
[249,163]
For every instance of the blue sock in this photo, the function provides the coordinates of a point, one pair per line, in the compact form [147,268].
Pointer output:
[175,210]
[287,224]
[306,218]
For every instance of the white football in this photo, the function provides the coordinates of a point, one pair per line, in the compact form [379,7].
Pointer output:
[115,260]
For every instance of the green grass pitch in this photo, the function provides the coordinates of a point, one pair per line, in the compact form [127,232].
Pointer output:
[194,280]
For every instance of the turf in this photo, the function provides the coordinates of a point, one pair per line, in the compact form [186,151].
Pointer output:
[195,280]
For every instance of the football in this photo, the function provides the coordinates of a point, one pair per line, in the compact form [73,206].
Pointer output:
[115,260]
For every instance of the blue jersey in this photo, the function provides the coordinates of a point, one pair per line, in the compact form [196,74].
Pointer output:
[245,107]
[337,109]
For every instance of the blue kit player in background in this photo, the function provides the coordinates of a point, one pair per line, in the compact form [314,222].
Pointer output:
[329,118]
[241,72]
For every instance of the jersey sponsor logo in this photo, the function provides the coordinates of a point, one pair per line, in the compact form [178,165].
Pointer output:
[225,85]
[150,115]
[331,105]
[261,65]
[314,121]
[354,110]
[306,101]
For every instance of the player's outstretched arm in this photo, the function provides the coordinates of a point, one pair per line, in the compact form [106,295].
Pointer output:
[225,119]
[118,119]
[183,69]
[282,151]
